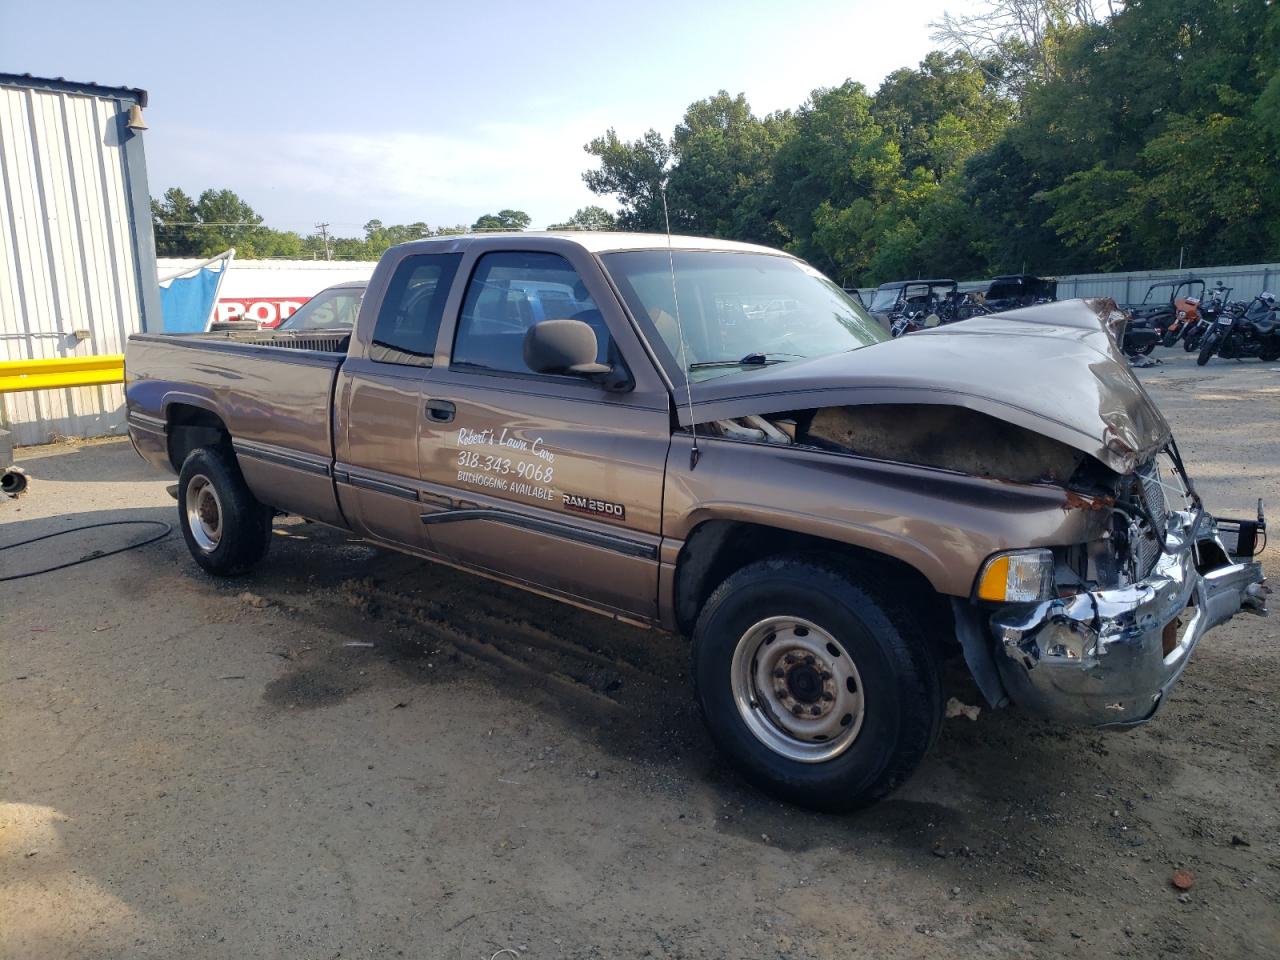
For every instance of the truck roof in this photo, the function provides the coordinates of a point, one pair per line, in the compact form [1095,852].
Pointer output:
[592,241]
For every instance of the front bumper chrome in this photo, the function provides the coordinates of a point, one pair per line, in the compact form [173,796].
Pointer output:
[1107,658]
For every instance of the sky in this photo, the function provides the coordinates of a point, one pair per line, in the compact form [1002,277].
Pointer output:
[345,112]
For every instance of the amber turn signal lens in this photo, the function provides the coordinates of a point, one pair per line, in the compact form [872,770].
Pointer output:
[1021,576]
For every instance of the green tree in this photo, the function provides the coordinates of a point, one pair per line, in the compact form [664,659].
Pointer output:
[634,173]
[831,176]
[218,220]
[175,223]
[941,113]
[722,181]
[503,220]
[588,218]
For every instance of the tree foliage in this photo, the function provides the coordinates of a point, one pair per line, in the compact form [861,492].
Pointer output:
[588,218]
[1054,136]
[503,220]
[220,219]
[209,225]
[1049,135]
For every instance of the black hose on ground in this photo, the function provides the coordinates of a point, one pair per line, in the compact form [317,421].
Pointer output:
[97,554]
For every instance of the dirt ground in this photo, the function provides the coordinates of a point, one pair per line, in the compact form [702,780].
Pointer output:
[354,754]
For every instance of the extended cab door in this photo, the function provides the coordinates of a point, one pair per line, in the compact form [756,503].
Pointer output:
[378,406]
[555,481]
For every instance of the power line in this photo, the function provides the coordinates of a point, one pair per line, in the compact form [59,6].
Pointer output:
[211,223]
[323,229]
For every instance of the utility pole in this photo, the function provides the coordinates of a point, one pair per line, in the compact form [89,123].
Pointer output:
[323,228]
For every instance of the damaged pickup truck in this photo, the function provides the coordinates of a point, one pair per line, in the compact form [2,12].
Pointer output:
[713,439]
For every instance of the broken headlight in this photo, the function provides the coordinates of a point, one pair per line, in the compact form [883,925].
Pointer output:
[1020,576]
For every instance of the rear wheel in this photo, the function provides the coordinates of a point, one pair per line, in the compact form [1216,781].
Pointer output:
[227,530]
[819,692]
[1208,347]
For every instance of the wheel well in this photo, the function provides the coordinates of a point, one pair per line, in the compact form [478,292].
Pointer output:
[191,427]
[719,548]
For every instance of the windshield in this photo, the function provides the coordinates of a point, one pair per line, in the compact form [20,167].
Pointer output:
[327,310]
[882,301]
[738,311]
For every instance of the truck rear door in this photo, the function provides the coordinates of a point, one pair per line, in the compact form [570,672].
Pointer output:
[551,480]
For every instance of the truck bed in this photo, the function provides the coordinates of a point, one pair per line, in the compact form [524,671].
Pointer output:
[271,391]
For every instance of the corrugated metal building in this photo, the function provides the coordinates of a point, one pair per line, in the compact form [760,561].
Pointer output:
[77,257]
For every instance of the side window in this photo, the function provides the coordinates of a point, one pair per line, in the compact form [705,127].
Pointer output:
[510,292]
[409,320]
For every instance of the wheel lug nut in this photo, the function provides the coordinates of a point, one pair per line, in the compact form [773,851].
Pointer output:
[779,673]
[826,695]
[816,711]
[826,675]
[808,660]
[789,658]
[797,709]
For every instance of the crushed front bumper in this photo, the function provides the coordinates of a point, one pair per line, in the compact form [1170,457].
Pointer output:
[1107,658]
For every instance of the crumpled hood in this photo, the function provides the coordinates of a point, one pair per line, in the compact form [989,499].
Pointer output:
[1053,369]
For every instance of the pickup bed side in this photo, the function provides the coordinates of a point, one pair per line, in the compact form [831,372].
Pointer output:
[272,403]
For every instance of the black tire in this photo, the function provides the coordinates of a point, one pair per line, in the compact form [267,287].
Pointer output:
[1208,347]
[898,670]
[234,530]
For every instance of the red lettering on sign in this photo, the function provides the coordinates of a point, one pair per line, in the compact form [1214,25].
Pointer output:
[266,311]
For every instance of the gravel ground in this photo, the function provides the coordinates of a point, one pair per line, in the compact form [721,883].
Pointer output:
[354,754]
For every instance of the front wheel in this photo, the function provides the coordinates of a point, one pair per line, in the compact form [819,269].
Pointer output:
[1208,347]
[820,693]
[227,530]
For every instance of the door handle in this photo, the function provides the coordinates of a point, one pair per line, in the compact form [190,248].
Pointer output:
[441,411]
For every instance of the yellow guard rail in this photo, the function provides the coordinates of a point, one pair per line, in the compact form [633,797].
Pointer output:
[16,375]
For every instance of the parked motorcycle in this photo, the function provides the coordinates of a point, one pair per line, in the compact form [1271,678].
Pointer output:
[1140,337]
[1215,302]
[1166,305]
[1253,333]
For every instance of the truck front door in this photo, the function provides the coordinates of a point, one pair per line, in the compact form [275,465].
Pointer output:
[550,480]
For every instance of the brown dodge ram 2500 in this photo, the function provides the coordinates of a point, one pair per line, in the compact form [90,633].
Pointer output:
[712,438]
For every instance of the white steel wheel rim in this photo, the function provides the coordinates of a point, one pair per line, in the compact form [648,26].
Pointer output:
[204,513]
[797,689]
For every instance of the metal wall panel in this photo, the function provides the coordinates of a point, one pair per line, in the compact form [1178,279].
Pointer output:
[1127,288]
[1247,281]
[67,252]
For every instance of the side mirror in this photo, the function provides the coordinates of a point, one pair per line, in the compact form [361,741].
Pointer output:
[563,346]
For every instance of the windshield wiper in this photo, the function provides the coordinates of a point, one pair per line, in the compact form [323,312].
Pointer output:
[750,360]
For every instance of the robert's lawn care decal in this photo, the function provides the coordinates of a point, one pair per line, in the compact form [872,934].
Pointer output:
[506,464]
